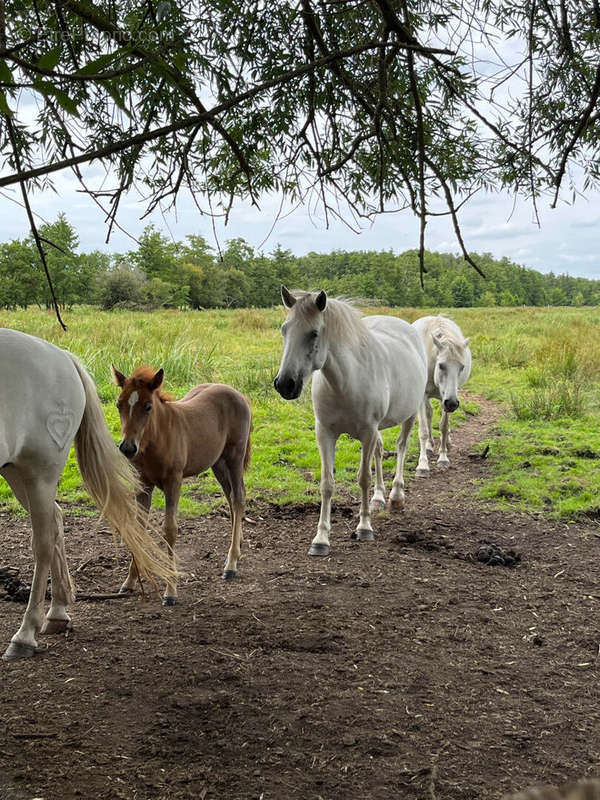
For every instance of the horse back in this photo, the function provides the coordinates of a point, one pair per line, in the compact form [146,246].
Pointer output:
[399,341]
[215,420]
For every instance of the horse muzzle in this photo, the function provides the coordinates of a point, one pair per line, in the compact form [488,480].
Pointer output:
[451,404]
[128,448]
[288,388]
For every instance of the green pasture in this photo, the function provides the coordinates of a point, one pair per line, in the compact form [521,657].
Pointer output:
[541,365]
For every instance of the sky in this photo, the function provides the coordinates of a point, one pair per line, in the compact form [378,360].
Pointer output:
[565,242]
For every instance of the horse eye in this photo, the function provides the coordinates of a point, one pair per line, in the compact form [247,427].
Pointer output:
[442,367]
[313,335]
[147,407]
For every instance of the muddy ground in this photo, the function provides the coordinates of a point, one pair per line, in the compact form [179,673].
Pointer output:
[402,668]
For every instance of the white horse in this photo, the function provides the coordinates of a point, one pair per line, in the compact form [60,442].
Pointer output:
[47,400]
[448,367]
[370,374]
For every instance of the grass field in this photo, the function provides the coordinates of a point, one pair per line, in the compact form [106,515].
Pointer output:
[541,365]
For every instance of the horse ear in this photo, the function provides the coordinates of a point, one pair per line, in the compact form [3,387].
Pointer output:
[466,341]
[118,377]
[287,297]
[157,379]
[321,301]
[437,341]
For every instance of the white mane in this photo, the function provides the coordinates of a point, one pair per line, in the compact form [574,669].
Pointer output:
[343,322]
[448,332]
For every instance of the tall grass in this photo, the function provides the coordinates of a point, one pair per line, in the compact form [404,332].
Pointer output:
[559,381]
[541,365]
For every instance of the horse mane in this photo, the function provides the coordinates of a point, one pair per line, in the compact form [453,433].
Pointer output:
[144,374]
[449,337]
[343,321]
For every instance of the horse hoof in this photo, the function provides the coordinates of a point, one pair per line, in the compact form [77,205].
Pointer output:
[319,550]
[125,590]
[16,651]
[422,472]
[54,626]
[443,464]
[228,574]
[376,506]
[397,505]
[365,535]
[169,601]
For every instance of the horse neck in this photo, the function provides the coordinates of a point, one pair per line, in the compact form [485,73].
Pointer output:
[345,361]
[159,424]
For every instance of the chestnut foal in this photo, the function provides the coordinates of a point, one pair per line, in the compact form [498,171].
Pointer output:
[169,440]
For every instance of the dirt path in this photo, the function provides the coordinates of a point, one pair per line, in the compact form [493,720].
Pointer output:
[402,668]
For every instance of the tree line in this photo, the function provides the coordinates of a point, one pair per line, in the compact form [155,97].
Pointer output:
[191,274]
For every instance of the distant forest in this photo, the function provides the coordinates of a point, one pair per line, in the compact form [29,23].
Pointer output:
[163,273]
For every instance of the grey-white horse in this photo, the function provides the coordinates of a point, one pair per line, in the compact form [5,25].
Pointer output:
[370,374]
[448,367]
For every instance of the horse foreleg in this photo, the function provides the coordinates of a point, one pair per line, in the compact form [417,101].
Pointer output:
[424,439]
[443,461]
[397,493]
[429,419]
[40,499]
[378,500]
[172,491]
[144,501]
[364,531]
[326,441]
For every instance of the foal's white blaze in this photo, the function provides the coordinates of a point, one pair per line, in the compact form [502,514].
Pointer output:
[133,398]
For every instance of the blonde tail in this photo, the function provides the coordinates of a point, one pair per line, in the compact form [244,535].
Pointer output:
[113,483]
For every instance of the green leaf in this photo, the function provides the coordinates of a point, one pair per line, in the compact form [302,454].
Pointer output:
[5,73]
[50,59]
[65,101]
[98,64]
[118,100]
[4,107]
[62,98]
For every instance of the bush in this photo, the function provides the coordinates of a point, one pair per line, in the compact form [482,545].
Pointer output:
[121,288]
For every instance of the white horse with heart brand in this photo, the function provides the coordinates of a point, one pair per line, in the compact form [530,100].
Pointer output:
[448,367]
[370,374]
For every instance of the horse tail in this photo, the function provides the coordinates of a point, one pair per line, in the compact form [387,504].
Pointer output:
[248,452]
[113,483]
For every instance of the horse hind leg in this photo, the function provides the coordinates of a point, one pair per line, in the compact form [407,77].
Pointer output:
[397,499]
[63,592]
[378,500]
[230,474]
[38,497]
